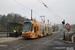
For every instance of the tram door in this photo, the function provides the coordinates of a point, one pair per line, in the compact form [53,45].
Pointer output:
[49,30]
[42,29]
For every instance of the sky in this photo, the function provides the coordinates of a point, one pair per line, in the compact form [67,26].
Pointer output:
[57,9]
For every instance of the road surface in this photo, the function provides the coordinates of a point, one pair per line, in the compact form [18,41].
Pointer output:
[51,42]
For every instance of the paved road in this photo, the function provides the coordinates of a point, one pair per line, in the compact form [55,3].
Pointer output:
[51,42]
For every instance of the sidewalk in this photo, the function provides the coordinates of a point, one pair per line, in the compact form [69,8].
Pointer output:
[5,39]
[70,32]
[67,41]
[65,32]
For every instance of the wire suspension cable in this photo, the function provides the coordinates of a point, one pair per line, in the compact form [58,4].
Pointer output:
[49,9]
[26,7]
[55,13]
[22,5]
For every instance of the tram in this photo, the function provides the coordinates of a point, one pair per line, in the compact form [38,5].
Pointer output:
[35,29]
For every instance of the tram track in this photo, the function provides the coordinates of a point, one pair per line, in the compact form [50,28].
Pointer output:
[29,43]
[38,42]
[47,42]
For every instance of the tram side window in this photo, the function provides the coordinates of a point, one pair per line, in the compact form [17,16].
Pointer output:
[31,27]
[48,29]
[35,29]
[45,28]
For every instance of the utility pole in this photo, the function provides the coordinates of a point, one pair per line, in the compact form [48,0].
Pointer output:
[48,22]
[54,26]
[7,27]
[31,14]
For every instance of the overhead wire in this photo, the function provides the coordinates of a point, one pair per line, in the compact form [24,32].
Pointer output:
[30,9]
[46,7]
[49,9]
[26,7]
[21,7]
[40,2]
[53,15]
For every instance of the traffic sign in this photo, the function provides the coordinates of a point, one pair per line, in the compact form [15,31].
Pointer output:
[67,26]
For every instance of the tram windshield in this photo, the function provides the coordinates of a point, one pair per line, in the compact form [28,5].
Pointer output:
[26,26]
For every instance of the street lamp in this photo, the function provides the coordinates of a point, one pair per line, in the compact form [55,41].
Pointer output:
[7,27]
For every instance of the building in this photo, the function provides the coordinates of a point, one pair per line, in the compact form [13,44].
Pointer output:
[60,27]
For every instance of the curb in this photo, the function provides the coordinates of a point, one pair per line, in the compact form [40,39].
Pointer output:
[68,42]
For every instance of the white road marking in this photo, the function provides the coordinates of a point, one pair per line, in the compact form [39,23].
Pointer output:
[23,47]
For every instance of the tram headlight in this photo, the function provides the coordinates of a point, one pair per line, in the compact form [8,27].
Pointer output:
[28,33]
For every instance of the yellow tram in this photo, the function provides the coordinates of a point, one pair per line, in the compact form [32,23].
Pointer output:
[35,29]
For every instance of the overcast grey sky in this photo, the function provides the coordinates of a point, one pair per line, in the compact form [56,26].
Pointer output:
[63,8]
